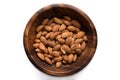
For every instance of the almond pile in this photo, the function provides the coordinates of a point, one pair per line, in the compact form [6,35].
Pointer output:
[59,41]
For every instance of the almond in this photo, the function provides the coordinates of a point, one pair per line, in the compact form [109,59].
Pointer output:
[77,30]
[42,47]
[66,49]
[57,58]
[39,28]
[78,51]
[38,34]
[79,40]
[37,41]
[76,23]
[38,50]
[55,53]
[61,40]
[48,35]
[50,50]
[53,35]
[45,21]
[75,46]
[44,33]
[58,64]
[71,28]
[75,58]
[57,20]
[55,28]
[84,38]
[64,62]
[43,40]
[65,34]
[58,36]
[56,48]
[67,22]
[80,34]
[48,60]
[36,45]
[51,43]
[41,56]
[68,40]
[48,28]
[70,58]
[62,27]
[65,57]
[50,21]
[83,45]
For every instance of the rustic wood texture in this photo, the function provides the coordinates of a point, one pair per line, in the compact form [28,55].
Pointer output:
[59,10]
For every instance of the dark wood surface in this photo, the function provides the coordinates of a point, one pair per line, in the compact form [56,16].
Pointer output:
[59,10]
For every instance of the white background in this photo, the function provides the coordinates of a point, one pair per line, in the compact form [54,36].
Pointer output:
[14,15]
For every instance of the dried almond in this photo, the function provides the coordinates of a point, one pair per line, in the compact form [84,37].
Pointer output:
[62,27]
[45,21]
[50,50]
[48,28]
[57,20]
[55,53]
[75,46]
[58,64]
[67,22]
[79,40]
[48,35]
[46,51]
[71,28]
[77,30]
[65,57]
[58,36]
[53,35]
[36,45]
[61,40]
[57,58]
[64,62]
[55,28]
[51,43]
[42,46]
[66,49]
[39,28]
[44,33]
[80,34]
[48,60]
[43,40]
[53,61]
[75,58]
[84,38]
[65,34]
[38,50]
[68,40]
[49,56]
[56,48]
[41,56]
[78,51]
[38,34]
[62,50]
[83,45]
[76,23]
[67,18]
[70,58]
[37,41]
[50,21]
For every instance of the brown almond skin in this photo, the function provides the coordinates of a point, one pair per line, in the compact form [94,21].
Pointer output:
[65,34]
[41,56]
[48,60]
[53,35]
[38,50]
[83,45]
[75,58]
[51,43]
[70,58]
[80,34]
[67,18]
[49,50]
[57,20]
[36,45]
[84,38]
[39,28]
[50,21]
[66,22]
[38,35]
[66,49]
[76,23]
[68,40]
[79,40]
[56,48]
[43,40]
[44,33]
[57,58]
[48,28]
[48,35]
[61,40]
[37,41]
[55,28]
[42,47]
[58,36]
[55,53]
[62,27]
[75,46]
[45,21]
[58,64]
[65,57]
[71,28]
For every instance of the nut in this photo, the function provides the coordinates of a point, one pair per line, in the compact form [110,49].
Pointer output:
[62,27]
[76,23]
[58,64]
[41,56]
[70,58]
[42,47]
[48,60]
[57,20]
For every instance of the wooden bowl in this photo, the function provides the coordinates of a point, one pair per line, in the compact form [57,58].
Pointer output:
[59,10]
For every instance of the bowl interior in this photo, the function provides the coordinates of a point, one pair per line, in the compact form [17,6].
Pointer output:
[60,11]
